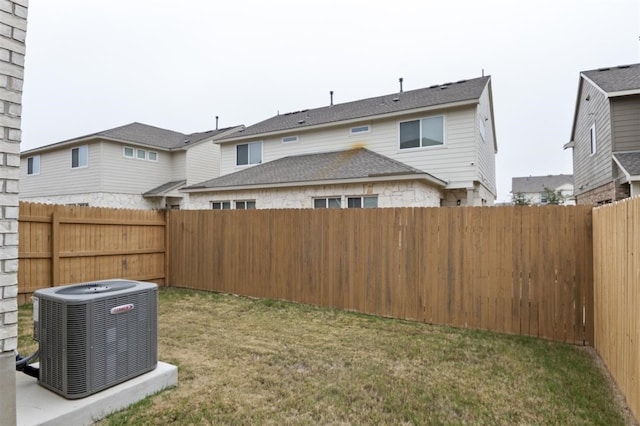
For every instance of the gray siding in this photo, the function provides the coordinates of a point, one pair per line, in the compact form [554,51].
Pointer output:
[486,147]
[592,171]
[626,123]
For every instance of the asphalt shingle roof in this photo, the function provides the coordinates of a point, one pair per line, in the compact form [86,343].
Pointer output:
[616,79]
[145,134]
[538,183]
[164,188]
[630,161]
[350,164]
[463,90]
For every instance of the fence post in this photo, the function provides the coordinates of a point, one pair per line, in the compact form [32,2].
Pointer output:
[55,248]
[167,237]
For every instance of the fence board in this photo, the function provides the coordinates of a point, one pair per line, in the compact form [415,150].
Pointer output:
[64,244]
[522,270]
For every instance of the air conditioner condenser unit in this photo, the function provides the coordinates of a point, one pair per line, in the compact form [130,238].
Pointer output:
[95,335]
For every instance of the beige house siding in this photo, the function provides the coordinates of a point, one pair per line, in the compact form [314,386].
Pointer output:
[202,162]
[486,146]
[56,175]
[592,171]
[454,162]
[390,194]
[625,117]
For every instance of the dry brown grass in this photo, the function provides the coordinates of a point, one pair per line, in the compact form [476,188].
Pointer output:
[246,361]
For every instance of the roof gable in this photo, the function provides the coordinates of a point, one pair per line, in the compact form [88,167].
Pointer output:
[449,93]
[629,162]
[326,166]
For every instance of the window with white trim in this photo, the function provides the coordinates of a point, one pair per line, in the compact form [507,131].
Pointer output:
[592,138]
[152,156]
[33,165]
[141,154]
[221,205]
[249,153]
[327,203]
[245,204]
[427,131]
[289,139]
[80,157]
[127,152]
[363,202]
[359,129]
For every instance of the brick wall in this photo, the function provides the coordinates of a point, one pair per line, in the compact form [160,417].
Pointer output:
[607,193]
[13,30]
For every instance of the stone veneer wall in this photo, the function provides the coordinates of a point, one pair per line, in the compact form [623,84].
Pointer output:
[13,29]
[609,192]
[390,194]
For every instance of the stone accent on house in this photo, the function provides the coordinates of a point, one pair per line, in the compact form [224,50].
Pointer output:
[105,199]
[607,193]
[390,194]
[13,27]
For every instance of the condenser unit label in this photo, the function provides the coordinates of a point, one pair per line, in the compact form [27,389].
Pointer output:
[122,309]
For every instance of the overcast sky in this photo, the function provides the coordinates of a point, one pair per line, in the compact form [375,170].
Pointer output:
[92,65]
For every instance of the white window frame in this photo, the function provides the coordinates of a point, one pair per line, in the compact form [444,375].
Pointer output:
[326,202]
[245,204]
[249,144]
[155,155]
[144,154]
[290,139]
[224,205]
[358,130]
[124,152]
[362,201]
[419,120]
[593,139]
[35,164]
[81,149]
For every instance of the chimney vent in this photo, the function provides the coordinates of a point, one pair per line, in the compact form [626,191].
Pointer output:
[216,122]
[331,96]
[400,80]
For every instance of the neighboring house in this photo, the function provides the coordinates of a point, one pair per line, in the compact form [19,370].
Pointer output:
[427,147]
[605,136]
[133,166]
[532,188]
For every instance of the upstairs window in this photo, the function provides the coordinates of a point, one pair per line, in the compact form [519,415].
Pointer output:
[366,202]
[424,132]
[33,165]
[249,153]
[327,203]
[359,129]
[141,154]
[289,139]
[80,157]
[127,152]
[592,138]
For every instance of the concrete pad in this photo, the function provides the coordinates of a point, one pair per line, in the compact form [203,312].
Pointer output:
[37,405]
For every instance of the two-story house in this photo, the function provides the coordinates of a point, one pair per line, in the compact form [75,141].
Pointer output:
[605,136]
[533,189]
[434,146]
[134,166]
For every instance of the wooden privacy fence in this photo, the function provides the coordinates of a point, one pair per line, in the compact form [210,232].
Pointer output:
[616,241]
[523,270]
[63,245]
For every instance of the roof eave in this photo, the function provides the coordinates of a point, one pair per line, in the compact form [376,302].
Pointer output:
[92,138]
[623,93]
[450,105]
[390,178]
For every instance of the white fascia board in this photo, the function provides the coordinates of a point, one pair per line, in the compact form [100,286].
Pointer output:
[351,121]
[59,145]
[425,177]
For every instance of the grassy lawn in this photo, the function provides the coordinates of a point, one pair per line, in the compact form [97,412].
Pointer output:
[246,361]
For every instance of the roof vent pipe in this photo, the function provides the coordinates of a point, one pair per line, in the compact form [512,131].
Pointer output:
[331,96]
[400,80]
[216,122]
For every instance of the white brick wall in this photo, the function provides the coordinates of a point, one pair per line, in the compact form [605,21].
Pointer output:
[102,199]
[13,27]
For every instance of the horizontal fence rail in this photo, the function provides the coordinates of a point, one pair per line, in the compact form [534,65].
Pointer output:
[65,244]
[616,240]
[522,270]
